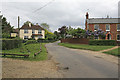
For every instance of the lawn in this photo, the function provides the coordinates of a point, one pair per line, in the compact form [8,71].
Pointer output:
[29,49]
[114,52]
[86,47]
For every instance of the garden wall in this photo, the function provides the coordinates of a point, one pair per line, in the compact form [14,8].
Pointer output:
[75,40]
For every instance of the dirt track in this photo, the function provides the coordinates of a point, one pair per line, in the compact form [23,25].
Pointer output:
[12,68]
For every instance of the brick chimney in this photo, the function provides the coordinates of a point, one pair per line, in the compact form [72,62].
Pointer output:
[87,15]
[29,24]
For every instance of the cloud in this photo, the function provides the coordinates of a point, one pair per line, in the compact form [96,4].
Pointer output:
[59,12]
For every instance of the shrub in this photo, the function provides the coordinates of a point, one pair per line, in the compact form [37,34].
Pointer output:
[30,42]
[11,43]
[103,42]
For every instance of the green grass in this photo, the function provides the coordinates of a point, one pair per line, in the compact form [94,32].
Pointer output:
[114,52]
[29,49]
[86,47]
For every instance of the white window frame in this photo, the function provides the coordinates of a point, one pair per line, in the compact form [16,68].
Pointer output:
[117,27]
[117,37]
[106,26]
[97,26]
[25,30]
[25,37]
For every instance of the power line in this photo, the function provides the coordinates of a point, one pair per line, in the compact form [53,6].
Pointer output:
[43,6]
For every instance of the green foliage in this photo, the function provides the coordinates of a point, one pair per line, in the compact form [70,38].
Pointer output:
[11,43]
[85,47]
[114,52]
[30,49]
[5,35]
[49,35]
[78,33]
[57,35]
[6,28]
[63,31]
[30,42]
[103,42]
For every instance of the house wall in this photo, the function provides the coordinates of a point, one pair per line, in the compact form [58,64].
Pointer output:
[113,29]
[13,34]
[29,34]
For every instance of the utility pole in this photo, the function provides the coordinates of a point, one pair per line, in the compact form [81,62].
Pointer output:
[18,26]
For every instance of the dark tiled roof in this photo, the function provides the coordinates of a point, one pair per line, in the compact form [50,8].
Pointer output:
[32,27]
[103,20]
[16,30]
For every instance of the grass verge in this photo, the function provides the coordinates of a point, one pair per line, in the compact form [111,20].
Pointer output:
[85,47]
[29,49]
[114,52]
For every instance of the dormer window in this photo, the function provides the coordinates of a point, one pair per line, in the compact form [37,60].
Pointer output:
[39,31]
[25,30]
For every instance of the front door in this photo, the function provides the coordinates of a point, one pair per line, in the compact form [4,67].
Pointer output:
[109,37]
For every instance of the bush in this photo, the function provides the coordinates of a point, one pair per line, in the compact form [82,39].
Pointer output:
[11,43]
[30,42]
[103,42]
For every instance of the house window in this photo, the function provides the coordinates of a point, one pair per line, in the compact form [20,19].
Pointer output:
[118,37]
[39,31]
[25,31]
[107,27]
[96,27]
[118,27]
[25,37]
[33,31]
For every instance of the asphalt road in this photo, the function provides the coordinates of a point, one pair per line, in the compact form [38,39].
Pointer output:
[76,64]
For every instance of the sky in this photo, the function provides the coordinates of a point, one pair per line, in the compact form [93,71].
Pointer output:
[57,13]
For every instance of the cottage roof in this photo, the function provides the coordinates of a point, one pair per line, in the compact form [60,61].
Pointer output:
[103,20]
[31,27]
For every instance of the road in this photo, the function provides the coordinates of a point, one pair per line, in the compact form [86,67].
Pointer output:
[78,64]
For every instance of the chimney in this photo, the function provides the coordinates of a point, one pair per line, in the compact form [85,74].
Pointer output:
[87,15]
[29,24]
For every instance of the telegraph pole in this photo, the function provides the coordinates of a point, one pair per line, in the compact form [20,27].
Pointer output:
[18,26]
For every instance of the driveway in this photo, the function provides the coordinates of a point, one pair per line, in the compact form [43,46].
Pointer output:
[81,64]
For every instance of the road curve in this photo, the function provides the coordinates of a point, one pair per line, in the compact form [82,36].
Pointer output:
[76,64]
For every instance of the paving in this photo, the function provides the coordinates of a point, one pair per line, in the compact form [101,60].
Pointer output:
[74,63]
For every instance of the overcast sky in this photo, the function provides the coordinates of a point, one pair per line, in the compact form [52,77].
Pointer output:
[58,12]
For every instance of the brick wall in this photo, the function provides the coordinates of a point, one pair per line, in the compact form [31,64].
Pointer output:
[75,40]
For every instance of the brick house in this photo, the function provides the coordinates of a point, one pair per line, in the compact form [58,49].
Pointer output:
[32,31]
[109,25]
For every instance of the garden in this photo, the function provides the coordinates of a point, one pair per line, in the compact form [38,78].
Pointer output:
[28,49]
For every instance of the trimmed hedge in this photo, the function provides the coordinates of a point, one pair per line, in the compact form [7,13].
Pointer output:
[103,42]
[11,43]
[30,42]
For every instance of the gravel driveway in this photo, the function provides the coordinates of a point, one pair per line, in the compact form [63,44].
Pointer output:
[13,68]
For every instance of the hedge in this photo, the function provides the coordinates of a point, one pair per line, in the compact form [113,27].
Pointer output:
[30,42]
[103,42]
[11,43]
